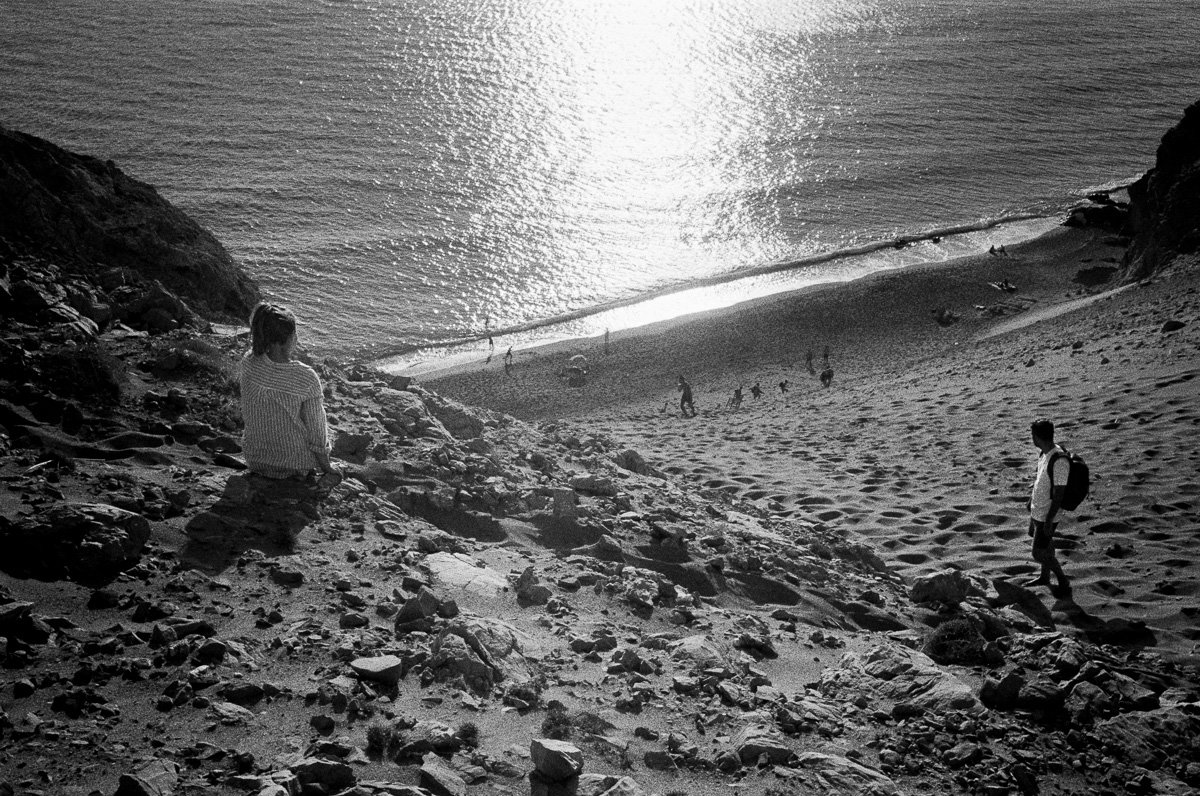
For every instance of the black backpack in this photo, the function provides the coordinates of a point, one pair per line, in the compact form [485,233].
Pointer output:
[1079,479]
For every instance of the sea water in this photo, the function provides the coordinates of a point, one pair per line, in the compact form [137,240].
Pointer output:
[419,173]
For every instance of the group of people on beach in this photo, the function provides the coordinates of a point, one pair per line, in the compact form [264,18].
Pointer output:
[286,433]
[687,406]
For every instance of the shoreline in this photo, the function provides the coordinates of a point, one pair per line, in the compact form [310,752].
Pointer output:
[724,291]
[866,322]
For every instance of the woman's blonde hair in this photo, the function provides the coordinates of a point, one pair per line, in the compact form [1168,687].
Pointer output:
[269,324]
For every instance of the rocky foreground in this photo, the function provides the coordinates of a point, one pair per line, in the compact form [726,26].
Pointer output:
[482,605]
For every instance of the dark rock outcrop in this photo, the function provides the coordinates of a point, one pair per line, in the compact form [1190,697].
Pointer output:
[85,542]
[1165,202]
[89,216]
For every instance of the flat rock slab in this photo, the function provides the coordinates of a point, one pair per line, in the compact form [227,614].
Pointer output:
[460,571]
[387,669]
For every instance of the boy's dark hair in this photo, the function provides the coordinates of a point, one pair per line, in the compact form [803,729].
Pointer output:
[1043,429]
[270,323]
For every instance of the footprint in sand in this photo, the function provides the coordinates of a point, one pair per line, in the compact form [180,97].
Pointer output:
[946,518]
[913,558]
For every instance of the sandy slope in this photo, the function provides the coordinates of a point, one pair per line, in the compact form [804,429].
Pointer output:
[922,443]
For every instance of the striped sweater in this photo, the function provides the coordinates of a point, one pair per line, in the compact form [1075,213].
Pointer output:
[283,414]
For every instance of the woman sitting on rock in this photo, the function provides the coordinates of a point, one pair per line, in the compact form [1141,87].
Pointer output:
[285,430]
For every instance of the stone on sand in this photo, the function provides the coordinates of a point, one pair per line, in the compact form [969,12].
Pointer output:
[949,587]
[386,669]
[460,571]
[556,760]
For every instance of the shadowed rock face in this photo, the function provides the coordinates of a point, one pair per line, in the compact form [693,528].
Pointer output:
[88,215]
[1164,201]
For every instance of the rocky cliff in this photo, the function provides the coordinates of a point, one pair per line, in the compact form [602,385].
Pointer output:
[88,216]
[1165,202]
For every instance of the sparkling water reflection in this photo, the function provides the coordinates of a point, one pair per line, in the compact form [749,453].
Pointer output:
[398,171]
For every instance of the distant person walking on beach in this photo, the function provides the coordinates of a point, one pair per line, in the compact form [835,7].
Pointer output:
[783,387]
[508,357]
[736,400]
[756,391]
[825,358]
[285,434]
[1049,486]
[826,377]
[808,362]
[685,400]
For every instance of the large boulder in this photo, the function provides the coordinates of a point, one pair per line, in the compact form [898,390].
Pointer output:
[89,215]
[697,653]
[1157,739]
[758,741]
[902,676]
[153,778]
[608,785]
[833,774]
[460,421]
[949,587]
[485,651]
[85,542]
[332,775]
[1163,202]
[555,760]
[439,778]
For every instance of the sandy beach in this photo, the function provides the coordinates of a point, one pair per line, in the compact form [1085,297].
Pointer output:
[921,443]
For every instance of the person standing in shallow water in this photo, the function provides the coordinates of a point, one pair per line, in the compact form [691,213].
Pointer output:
[283,410]
[1049,485]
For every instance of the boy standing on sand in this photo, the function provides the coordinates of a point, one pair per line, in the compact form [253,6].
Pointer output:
[1044,502]
[685,400]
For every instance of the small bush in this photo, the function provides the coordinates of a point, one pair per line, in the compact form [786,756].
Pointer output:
[591,723]
[84,372]
[468,734]
[377,740]
[557,724]
[957,641]
[383,740]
